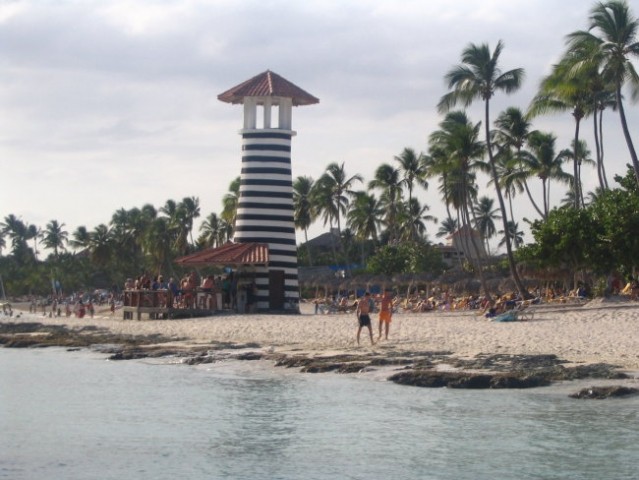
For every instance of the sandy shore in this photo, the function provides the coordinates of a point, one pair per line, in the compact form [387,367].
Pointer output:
[601,331]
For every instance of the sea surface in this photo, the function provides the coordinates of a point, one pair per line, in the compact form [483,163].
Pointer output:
[75,415]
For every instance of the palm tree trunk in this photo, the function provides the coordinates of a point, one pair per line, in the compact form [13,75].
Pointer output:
[544,190]
[626,134]
[308,248]
[598,149]
[509,250]
[601,149]
[576,181]
[532,200]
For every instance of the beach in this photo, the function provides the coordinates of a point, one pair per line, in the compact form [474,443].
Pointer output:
[601,331]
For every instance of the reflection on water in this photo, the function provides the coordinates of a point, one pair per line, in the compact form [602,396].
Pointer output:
[73,415]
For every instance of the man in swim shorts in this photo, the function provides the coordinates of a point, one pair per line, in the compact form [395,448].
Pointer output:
[385,314]
[364,307]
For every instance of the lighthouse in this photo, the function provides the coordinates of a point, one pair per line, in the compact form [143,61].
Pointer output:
[265,209]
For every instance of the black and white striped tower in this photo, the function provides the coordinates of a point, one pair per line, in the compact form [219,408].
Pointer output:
[265,209]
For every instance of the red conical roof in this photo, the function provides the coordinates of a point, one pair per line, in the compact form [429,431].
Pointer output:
[267,84]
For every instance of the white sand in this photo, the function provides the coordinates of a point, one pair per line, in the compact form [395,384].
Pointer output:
[601,331]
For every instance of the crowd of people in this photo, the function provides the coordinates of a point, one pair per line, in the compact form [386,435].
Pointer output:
[192,292]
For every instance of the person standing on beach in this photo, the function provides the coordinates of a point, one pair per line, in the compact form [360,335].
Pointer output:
[385,314]
[364,308]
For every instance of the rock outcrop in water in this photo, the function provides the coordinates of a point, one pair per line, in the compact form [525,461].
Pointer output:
[415,368]
[600,393]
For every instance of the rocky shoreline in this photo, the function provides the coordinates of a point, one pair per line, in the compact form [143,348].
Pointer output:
[433,369]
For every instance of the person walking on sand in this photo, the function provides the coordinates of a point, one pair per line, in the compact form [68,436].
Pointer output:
[364,308]
[385,314]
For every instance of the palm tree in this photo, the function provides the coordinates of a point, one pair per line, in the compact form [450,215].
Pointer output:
[414,170]
[34,233]
[387,179]
[514,233]
[479,77]
[210,229]
[190,210]
[513,130]
[81,238]
[158,242]
[412,218]
[459,138]
[54,237]
[545,164]
[485,215]
[447,227]
[583,156]
[363,219]
[101,245]
[303,207]
[230,202]
[563,91]
[336,186]
[16,230]
[612,34]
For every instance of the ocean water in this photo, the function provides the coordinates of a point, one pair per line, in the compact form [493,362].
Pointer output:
[74,415]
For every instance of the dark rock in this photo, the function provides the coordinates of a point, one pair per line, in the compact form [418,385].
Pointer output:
[129,354]
[249,356]
[599,393]
[435,379]
[200,360]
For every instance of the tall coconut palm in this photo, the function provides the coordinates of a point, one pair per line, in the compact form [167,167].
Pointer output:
[364,218]
[16,230]
[479,77]
[459,138]
[512,132]
[414,171]
[388,180]
[485,215]
[158,243]
[80,238]
[514,233]
[210,230]
[230,202]
[583,157]
[437,162]
[613,31]
[544,163]
[55,237]
[101,245]
[562,91]
[337,186]
[447,227]
[190,211]
[34,233]
[510,174]
[412,218]
[303,208]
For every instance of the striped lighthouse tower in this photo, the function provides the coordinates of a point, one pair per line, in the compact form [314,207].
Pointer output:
[265,209]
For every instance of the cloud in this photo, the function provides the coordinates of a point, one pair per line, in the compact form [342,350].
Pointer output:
[113,104]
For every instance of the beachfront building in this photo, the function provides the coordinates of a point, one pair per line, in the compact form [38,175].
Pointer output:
[265,209]
[460,246]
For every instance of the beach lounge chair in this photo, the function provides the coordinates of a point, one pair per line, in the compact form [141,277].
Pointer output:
[509,316]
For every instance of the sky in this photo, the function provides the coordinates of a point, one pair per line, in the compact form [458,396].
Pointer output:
[113,104]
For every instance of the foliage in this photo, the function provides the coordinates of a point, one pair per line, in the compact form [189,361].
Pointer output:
[408,257]
[597,238]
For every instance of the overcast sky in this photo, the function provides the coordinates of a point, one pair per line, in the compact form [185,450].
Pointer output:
[111,104]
